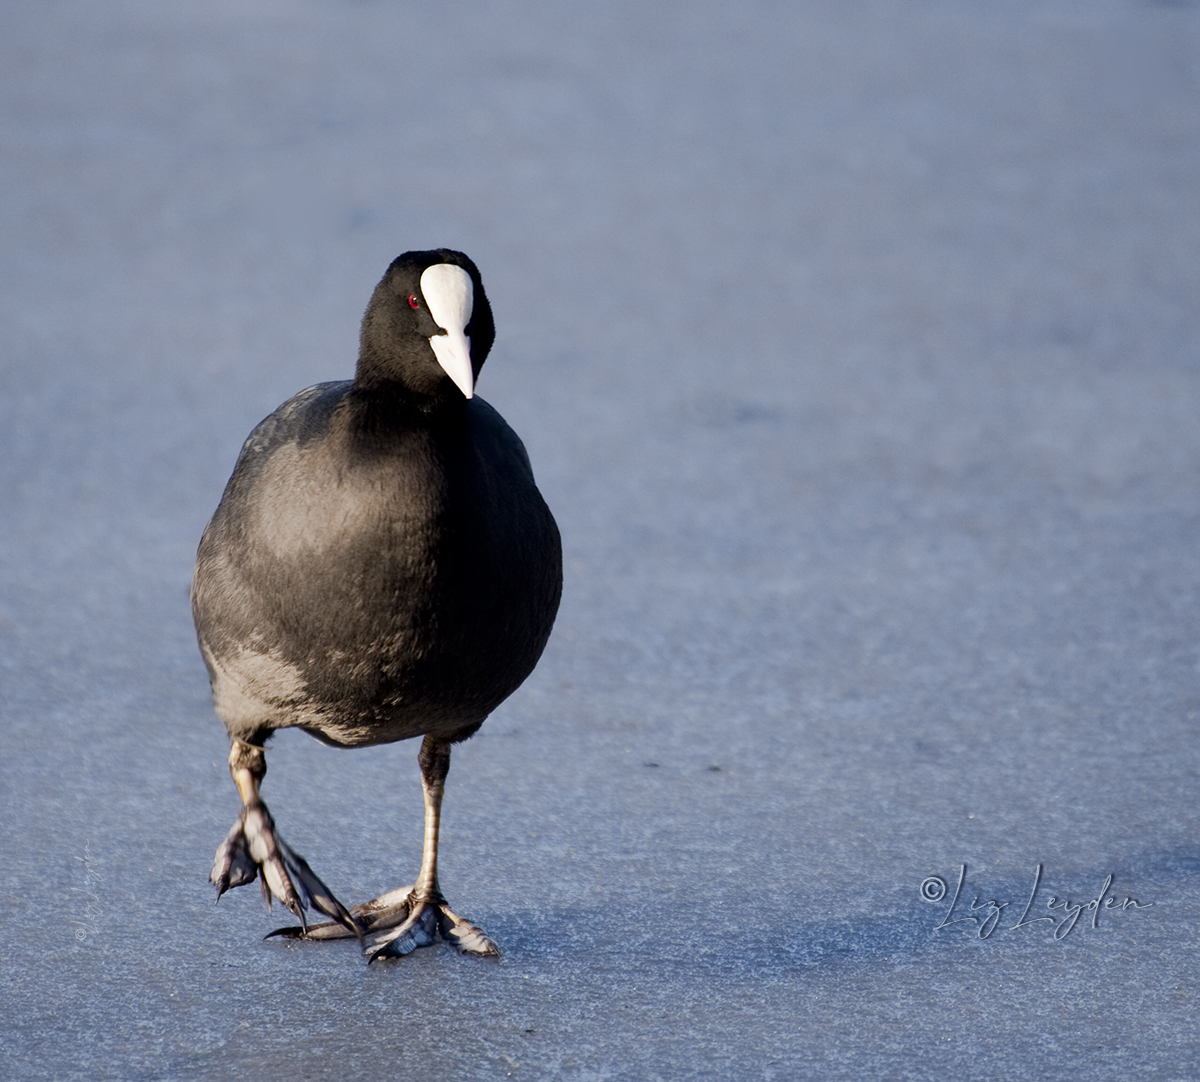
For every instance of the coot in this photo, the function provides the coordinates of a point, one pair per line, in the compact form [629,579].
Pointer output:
[381,566]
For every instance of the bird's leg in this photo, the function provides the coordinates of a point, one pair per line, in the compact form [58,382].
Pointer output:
[253,846]
[434,760]
[423,910]
[399,921]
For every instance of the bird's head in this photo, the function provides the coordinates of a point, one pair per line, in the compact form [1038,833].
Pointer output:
[428,326]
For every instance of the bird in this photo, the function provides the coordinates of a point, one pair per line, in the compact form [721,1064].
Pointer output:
[381,566]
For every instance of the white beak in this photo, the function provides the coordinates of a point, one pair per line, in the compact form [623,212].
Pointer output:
[450,294]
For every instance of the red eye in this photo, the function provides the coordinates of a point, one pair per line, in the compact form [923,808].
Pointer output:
[413,302]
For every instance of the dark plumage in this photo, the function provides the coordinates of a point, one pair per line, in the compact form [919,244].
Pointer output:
[381,566]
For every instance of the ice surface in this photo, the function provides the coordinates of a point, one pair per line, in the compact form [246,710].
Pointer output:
[855,345]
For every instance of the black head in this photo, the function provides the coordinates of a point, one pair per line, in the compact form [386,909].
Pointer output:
[405,340]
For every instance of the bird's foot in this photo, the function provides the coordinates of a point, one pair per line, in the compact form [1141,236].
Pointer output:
[395,924]
[426,920]
[386,911]
[252,847]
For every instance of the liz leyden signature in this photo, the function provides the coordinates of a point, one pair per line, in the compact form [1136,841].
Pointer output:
[90,925]
[986,916]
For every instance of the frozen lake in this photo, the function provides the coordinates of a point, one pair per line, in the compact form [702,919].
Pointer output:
[856,346]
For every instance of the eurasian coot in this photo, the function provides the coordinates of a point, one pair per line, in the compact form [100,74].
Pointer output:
[381,566]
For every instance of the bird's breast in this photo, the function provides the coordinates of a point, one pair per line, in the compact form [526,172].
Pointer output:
[312,509]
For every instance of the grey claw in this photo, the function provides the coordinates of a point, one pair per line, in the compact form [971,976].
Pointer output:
[327,929]
[314,891]
[467,937]
[251,847]
[420,930]
[293,931]
[233,866]
[386,911]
